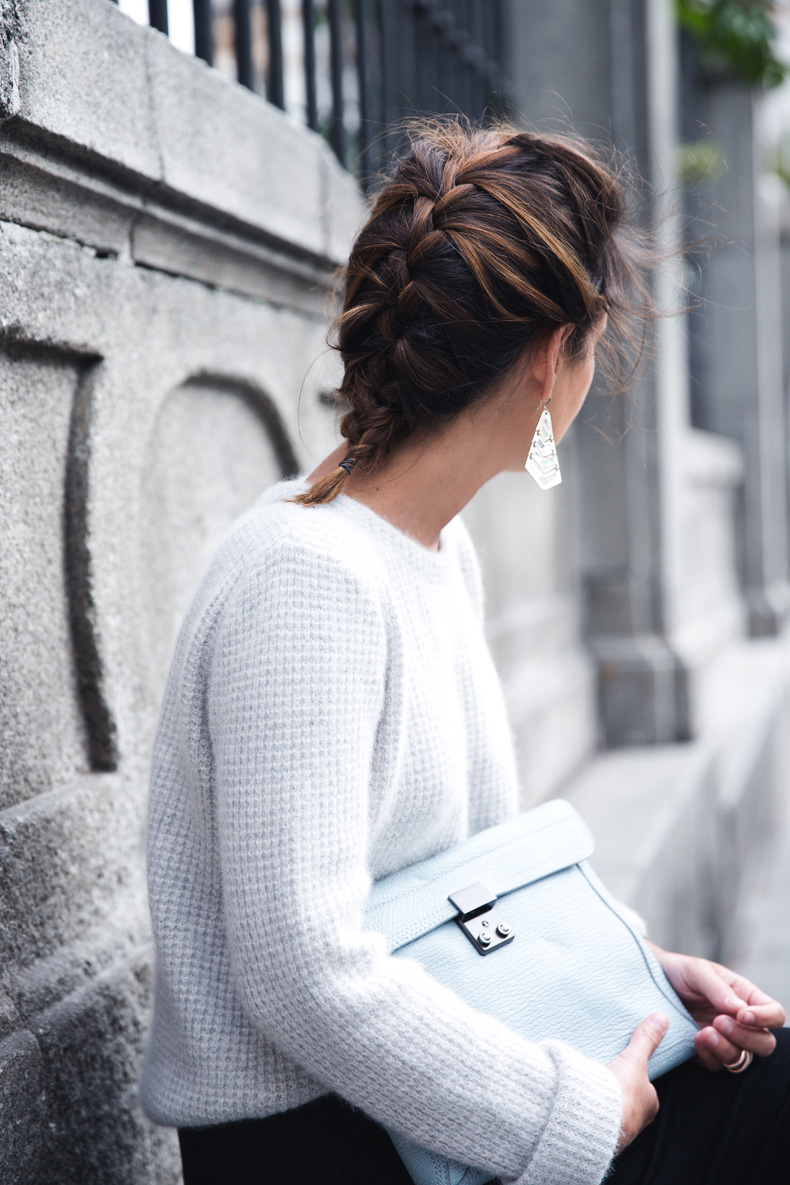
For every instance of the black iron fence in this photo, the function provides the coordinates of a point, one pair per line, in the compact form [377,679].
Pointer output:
[351,69]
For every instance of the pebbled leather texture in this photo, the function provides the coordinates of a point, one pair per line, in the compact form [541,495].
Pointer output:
[576,971]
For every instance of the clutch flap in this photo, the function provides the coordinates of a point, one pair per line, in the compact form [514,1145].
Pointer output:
[415,900]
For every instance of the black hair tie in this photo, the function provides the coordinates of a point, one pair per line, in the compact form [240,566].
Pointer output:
[347,463]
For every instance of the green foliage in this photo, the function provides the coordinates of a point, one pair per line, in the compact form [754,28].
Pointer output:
[780,160]
[739,34]
[699,162]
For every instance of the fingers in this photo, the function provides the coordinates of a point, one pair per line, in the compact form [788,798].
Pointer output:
[758,1007]
[707,1043]
[647,1036]
[722,1045]
[769,1015]
[640,1100]
[715,1051]
[758,1040]
[723,990]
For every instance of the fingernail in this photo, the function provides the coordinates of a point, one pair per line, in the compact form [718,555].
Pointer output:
[726,1025]
[712,1038]
[659,1021]
[749,1018]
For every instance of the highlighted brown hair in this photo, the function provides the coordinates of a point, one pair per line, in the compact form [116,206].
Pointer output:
[479,242]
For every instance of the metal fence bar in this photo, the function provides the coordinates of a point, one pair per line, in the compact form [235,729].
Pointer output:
[157,15]
[423,55]
[488,43]
[390,65]
[360,29]
[499,30]
[423,33]
[444,22]
[338,133]
[275,89]
[311,97]
[435,99]
[242,33]
[487,35]
[466,93]
[476,57]
[204,33]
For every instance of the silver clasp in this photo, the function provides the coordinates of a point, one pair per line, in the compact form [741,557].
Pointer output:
[480,923]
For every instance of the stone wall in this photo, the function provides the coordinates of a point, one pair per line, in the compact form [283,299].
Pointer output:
[167,242]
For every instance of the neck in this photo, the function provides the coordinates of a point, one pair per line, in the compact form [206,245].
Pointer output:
[425,482]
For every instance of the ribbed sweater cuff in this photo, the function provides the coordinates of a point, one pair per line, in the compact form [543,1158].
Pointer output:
[580,1139]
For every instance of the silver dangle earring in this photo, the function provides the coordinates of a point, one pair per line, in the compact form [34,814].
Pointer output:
[542,463]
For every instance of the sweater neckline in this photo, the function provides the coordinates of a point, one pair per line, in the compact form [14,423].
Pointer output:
[431,561]
[435,564]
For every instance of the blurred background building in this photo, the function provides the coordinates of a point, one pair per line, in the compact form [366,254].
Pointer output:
[178,181]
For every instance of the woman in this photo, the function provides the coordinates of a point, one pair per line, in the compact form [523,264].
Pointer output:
[332,714]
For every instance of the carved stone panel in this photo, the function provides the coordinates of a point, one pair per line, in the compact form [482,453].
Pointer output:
[42,741]
[215,447]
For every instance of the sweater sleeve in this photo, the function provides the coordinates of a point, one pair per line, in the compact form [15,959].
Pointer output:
[296,688]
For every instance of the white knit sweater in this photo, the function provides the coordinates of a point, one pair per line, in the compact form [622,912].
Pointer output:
[333,714]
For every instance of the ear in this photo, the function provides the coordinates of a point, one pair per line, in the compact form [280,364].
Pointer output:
[548,360]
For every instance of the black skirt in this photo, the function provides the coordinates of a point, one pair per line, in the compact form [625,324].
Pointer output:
[326,1140]
[711,1129]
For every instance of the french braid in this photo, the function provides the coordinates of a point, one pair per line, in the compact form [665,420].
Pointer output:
[479,241]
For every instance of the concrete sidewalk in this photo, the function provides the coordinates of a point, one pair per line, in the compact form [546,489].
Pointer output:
[760,947]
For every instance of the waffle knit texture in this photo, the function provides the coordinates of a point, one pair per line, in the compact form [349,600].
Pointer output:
[332,714]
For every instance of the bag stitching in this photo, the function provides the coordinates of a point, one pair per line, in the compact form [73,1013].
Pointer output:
[681,1011]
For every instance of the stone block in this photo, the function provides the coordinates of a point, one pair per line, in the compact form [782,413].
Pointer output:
[69,860]
[343,207]
[56,294]
[91,1044]
[642,696]
[23,1110]
[713,470]
[41,985]
[83,79]
[9,61]
[224,260]
[9,1017]
[43,198]
[601,538]
[223,147]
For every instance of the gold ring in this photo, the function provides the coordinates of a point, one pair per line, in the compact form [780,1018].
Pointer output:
[743,1062]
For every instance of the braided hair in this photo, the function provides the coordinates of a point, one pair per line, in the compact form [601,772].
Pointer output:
[479,241]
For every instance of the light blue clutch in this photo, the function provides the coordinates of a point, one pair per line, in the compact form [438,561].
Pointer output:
[515,921]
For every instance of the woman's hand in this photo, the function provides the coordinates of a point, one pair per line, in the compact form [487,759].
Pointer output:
[640,1101]
[734,1014]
